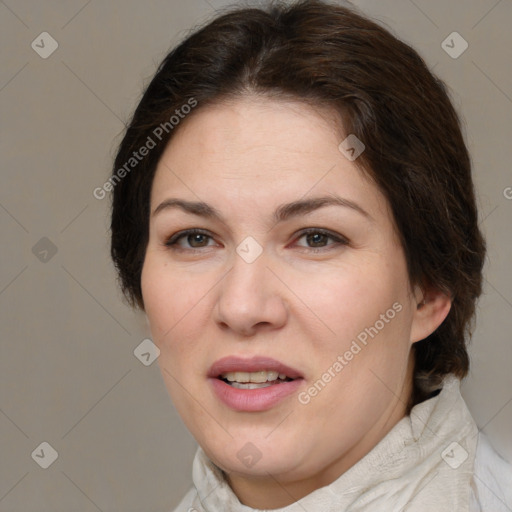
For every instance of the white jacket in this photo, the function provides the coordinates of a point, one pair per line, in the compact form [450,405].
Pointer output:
[434,460]
[491,489]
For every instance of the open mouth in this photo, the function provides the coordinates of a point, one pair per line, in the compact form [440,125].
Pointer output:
[254,380]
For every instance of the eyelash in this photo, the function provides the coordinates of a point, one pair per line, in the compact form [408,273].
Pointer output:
[171,242]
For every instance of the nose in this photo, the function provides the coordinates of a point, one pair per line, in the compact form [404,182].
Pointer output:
[250,298]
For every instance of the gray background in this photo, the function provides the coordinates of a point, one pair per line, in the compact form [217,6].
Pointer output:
[68,374]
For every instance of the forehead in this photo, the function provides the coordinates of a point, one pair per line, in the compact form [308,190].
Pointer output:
[260,151]
[250,127]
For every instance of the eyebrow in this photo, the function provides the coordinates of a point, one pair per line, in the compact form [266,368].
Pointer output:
[281,214]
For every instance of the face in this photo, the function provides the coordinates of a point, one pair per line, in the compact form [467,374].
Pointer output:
[321,288]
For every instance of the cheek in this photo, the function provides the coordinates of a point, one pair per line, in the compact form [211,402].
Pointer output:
[349,298]
[365,319]
[161,300]
[174,305]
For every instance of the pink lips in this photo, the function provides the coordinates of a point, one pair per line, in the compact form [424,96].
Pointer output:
[252,400]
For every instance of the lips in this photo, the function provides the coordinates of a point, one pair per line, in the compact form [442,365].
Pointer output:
[242,397]
[254,364]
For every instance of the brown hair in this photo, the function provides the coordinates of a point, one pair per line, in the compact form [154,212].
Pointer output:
[328,55]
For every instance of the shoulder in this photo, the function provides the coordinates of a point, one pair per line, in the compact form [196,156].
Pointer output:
[185,504]
[492,479]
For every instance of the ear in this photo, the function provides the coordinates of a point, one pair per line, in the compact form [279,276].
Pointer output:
[432,307]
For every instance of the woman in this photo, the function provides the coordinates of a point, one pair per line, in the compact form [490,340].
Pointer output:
[293,209]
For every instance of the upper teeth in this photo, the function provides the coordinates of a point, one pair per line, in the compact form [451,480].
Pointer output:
[257,377]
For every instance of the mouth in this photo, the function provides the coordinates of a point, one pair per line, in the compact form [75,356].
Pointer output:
[255,373]
[254,380]
[253,385]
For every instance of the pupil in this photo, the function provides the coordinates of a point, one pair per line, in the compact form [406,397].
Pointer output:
[316,236]
[195,238]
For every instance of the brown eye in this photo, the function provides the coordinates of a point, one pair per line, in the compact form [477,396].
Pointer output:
[196,239]
[317,239]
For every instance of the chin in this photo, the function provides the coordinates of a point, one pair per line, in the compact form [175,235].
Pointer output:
[255,458]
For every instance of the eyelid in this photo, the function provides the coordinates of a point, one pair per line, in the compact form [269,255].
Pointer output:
[326,232]
[171,242]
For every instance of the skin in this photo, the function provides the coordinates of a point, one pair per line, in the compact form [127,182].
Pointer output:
[246,158]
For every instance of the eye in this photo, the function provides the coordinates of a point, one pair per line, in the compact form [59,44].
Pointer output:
[318,237]
[192,236]
[198,239]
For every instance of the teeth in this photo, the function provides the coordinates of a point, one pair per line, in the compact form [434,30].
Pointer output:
[255,377]
[250,385]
